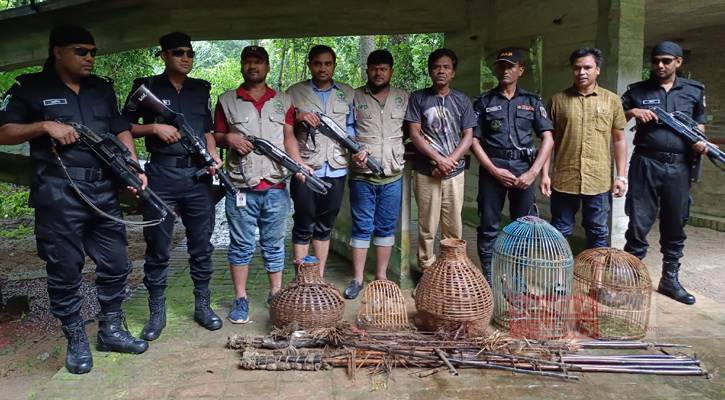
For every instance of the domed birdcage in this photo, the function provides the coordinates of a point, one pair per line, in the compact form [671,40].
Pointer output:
[453,296]
[308,300]
[383,307]
[614,292]
[532,280]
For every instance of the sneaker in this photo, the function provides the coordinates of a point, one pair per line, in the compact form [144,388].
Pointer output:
[240,311]
[352,290]
[270,298]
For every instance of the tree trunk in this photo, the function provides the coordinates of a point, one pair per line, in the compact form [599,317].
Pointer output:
[398,39]
[367,45]
[281,64]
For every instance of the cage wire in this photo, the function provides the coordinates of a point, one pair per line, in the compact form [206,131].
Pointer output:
[614,291]
[533,280]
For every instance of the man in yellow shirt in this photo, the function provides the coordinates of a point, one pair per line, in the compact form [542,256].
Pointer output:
[586,119]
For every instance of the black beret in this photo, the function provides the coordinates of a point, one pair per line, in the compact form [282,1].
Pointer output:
[667,48]
[174,40]
[64,35]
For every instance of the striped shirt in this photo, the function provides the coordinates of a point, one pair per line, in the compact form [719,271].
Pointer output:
[583,127]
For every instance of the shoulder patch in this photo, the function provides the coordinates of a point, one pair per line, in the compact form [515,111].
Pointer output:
[542,110]
[6,101]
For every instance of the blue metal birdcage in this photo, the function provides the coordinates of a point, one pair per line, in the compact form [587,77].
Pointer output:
[532,280]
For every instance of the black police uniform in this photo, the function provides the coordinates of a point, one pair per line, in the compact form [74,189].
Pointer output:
[65,226]
[171,175]
[504,130]
[659,171]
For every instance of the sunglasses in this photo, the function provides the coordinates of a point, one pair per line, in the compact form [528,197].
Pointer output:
[180,53]
[82,51]
[665,61]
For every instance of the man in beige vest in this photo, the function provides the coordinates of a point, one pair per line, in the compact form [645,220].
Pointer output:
[375,200]
[254,109]
[315,213]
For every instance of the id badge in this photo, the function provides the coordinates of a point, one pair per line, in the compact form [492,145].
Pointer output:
[241,199]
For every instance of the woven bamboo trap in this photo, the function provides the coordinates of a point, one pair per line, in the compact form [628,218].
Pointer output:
[533,280]
[383,307]
[453,296]
[309,300]
[615,292]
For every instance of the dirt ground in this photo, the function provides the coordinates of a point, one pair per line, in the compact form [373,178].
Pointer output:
[32,346]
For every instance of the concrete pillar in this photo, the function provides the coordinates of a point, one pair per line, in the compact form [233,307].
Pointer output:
[620,35]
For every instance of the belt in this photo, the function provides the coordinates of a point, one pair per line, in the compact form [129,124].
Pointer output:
[661,156]
[493,152]
[175,161]
[77,173]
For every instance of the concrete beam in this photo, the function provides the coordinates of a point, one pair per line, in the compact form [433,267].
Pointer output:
[130,24]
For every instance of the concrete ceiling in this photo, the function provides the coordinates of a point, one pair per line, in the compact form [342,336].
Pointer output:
[120,25]
[672,19]
[127,24]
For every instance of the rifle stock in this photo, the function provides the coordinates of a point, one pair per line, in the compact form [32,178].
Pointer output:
[143,96]
[265,147]
[115,154]
[332,130]
[687,128]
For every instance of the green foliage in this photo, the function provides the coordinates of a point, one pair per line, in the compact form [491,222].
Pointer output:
[19,233]
[14,201]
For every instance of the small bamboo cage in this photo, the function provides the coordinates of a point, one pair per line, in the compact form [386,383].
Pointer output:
[614,292]
[453,297]
[532,280]
[309,300]
[383,307]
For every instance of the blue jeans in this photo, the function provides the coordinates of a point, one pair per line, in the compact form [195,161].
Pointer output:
[374,209]
[595,215]
[269,211]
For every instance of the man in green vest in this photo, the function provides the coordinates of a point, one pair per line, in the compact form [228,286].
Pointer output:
[375,200]
[315,213]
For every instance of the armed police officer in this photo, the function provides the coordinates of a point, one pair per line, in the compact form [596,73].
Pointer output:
[36,110]
[660,167]
[171,172]
[504,146]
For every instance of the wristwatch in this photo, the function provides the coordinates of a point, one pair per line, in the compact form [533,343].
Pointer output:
[623,179]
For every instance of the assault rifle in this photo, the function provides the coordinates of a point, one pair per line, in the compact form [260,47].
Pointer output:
[332,130]
[265,147]
[687,128]
[114,153]
[189,140]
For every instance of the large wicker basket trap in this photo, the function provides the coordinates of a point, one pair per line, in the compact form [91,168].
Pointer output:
[614,292]
[453,296]
[308,300]
[532,280]
[383,307]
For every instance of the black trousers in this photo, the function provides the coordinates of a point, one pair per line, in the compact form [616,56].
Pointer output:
[315,213]
[65,228]
[491,198]
[193,200]
[651,184]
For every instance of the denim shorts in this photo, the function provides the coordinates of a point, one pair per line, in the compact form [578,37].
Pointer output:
[269,211]
[374,210]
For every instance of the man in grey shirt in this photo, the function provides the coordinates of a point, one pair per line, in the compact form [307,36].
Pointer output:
[441,128]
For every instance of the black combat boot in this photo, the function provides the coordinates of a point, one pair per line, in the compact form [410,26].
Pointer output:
[78,358]
[670,284]
[157,318]
[113,335]
[203,314]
